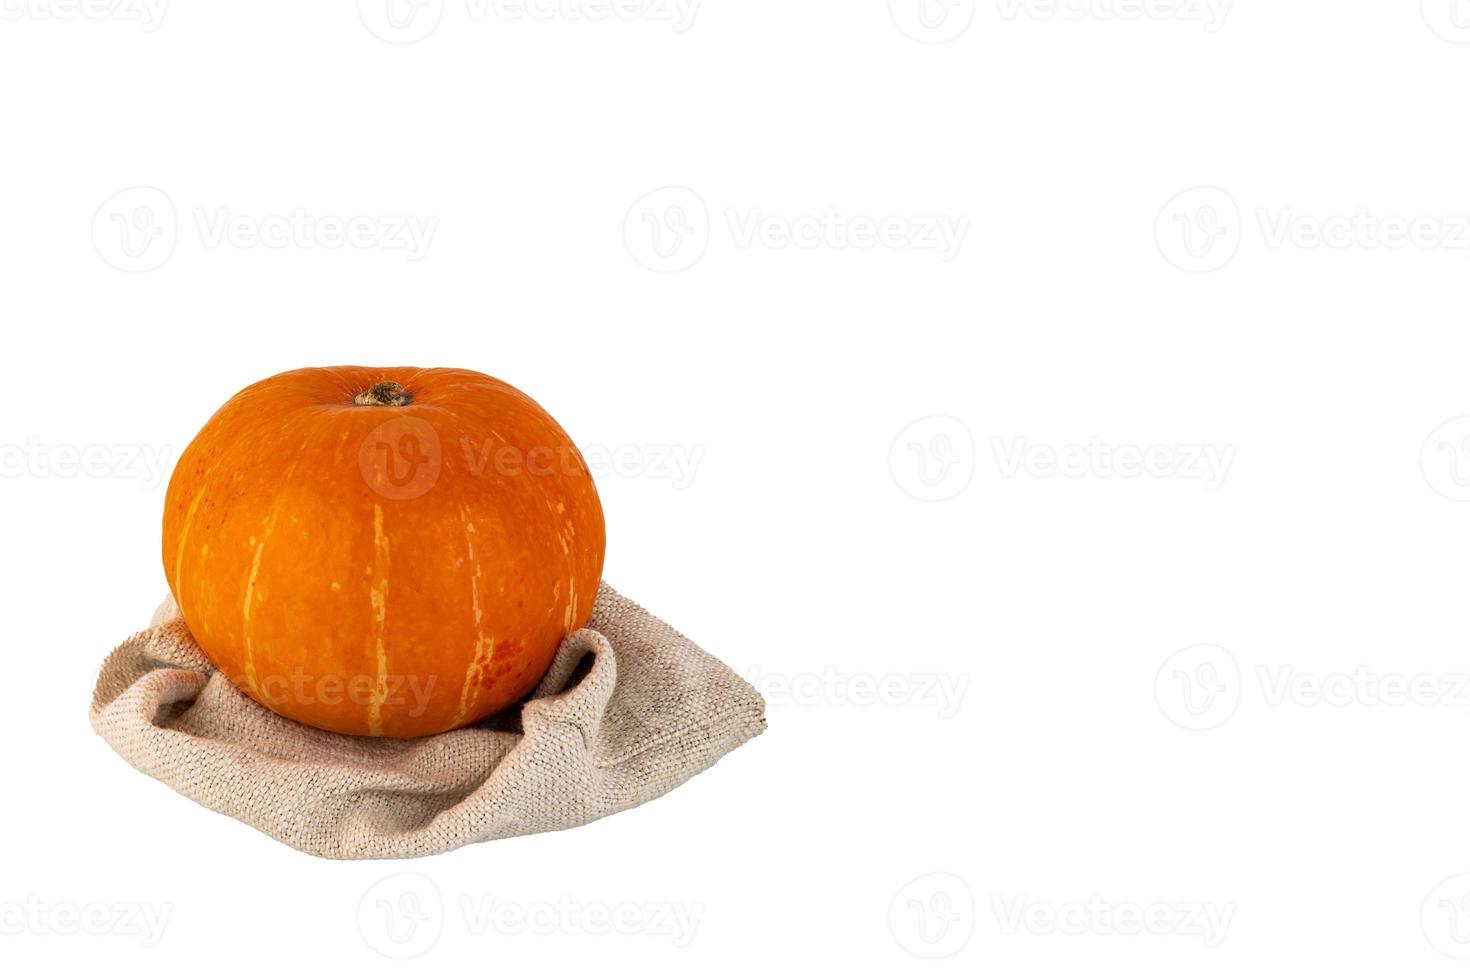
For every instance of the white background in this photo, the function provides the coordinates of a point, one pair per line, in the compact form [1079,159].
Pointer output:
[1185,239]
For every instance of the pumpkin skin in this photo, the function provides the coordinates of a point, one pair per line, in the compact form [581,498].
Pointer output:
[383,551]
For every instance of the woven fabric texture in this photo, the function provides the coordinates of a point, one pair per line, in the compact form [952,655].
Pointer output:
[629,710]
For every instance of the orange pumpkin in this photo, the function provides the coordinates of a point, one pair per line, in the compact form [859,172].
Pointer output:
[383,551]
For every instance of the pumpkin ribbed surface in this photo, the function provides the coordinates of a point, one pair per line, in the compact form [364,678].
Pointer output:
[383,551]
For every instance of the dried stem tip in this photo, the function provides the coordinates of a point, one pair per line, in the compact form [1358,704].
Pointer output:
[383,393]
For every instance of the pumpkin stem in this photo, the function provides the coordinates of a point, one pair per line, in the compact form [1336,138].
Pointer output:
[383,393]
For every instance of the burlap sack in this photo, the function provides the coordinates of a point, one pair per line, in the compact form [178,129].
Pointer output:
[650,711]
